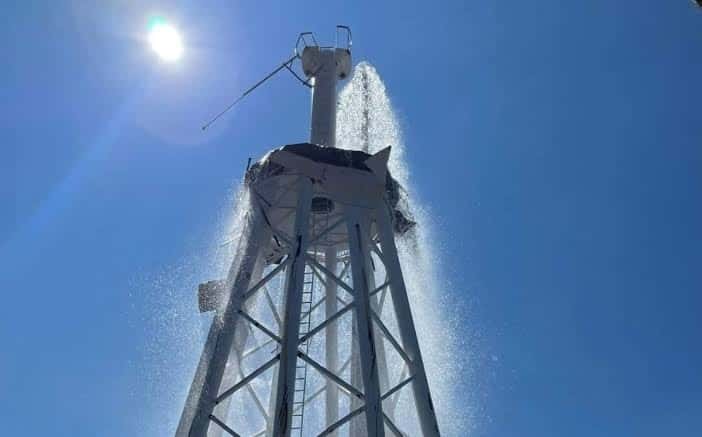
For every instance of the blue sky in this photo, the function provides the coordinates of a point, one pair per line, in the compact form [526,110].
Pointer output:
[558,145]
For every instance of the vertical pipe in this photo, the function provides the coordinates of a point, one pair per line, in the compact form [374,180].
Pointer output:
[359,251]
[408,335]
[285,390]
[200,402]
[331,338]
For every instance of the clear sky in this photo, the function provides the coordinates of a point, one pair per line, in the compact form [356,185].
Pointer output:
[558,144]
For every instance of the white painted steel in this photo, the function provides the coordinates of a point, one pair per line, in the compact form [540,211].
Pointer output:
[283,208]
[368,330]
[325,66]
[285,391]
[200,402]
[420,385]
[331,338]
[358,229]
[233,367]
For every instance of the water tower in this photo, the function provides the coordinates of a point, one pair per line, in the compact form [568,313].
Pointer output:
[314,307]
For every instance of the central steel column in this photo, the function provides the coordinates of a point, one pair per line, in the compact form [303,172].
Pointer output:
[325,66]
[323,130]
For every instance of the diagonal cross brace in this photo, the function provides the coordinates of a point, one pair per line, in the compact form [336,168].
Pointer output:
[329,274]
[326,323]
[253,375]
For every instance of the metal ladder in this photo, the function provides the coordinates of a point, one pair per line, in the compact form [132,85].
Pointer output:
[298,415]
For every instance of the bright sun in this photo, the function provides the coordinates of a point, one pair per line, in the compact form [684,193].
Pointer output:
[165,40]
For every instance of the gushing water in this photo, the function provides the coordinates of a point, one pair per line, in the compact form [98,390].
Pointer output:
[366,121]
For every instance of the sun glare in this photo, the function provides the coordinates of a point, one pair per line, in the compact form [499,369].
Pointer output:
[165,40]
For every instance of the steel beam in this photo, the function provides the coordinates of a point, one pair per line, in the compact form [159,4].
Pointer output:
[408,334]
[285,389]
[358,229]
[200,403]
[233,369]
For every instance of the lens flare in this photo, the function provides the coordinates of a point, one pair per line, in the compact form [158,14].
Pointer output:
[165,40]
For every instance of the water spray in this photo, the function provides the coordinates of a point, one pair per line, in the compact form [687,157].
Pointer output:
[312,331]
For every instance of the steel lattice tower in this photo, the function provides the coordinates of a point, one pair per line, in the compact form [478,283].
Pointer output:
[321,224]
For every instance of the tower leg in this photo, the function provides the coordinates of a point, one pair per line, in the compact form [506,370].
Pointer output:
[358,227]
[204,390]
[408,335]
[285,390]
[271,402]
[383,373]
[357,426]
[233,367]
[331,338]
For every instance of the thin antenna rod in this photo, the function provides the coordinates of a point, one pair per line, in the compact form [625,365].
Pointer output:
[248,91]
